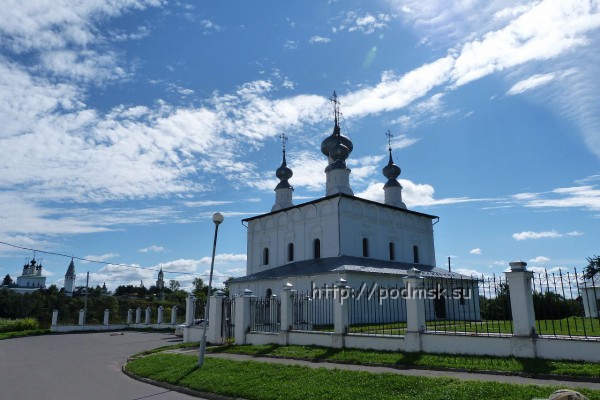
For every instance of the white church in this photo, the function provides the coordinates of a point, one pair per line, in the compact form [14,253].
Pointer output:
[338,236]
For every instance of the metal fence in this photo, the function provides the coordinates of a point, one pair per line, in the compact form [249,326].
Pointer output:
[473,306]
[379,312]
[265,314]
[312,313]
[566,304]
[228,318]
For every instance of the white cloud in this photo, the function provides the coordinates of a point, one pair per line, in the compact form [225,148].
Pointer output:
[539,260]
[100,258]
[475,251]
[152,249]
[525,235]
[367,24]
[536,81]
[586,197]
[318,39]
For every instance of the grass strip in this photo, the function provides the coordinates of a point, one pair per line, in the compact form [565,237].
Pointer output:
[18,334]
[257,381]
[470,363]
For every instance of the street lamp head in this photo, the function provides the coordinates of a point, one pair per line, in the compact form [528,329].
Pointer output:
[217,218]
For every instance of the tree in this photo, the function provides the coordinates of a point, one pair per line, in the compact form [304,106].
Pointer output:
[7,280]
[174,285]
[593,267]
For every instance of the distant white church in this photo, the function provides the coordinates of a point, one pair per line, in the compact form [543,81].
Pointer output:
[31,278]
[339,235]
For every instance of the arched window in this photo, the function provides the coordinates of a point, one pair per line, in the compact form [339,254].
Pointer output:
[416,254]
[266,256]
[269,293]
[290,252]
[365,247]
[317,248]
[392,251]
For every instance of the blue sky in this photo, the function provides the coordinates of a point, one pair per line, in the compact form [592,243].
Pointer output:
[125,124]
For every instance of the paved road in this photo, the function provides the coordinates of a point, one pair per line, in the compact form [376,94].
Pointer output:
[77,367]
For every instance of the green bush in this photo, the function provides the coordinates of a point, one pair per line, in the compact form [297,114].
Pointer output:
[16,325]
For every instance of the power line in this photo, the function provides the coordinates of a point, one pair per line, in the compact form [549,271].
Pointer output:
[104,262]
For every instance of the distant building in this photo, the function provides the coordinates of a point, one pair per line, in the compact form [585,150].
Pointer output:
[31,279]
[70,279]
[160,283]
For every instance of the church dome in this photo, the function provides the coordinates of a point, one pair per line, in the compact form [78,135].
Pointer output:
[332,140]
[283,173]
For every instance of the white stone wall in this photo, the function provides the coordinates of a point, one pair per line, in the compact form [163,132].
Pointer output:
[341,224]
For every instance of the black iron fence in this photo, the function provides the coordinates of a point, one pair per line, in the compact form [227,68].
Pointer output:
[380,311]
[228,318]
[566,304]
[265,314]
[312,313]
[474,306]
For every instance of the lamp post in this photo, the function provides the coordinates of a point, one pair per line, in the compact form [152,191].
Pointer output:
[217,219]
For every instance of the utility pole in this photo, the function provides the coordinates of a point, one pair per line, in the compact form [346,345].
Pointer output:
[87,281]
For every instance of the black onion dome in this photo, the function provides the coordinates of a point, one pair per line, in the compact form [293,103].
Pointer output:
[391,171]
[283,173]
[332,140]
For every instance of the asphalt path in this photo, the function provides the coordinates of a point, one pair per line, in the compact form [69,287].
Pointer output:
[78,367]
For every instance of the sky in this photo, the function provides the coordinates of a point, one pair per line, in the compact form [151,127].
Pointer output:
[125,124]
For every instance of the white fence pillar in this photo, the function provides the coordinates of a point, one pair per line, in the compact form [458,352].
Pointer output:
[106,314]
[159,318]
[521,299]
[174,315]
[81,316]
[415,310]
[129,316]
[54,317]
[138,315]
[287,303]
[340,307]
[148,315]
[242,316]
[214,332]
[189,310]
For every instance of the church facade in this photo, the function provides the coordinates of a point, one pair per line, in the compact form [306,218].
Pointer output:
[339,237]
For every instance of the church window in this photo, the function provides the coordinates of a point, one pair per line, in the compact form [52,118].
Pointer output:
[266,256]
[416,254]
[269,293]
[392,251]
[290,252]
[365,247]
[317,248]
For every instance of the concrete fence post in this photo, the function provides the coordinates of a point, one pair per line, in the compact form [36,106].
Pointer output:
[54,317]
[340,313]
[174,315]
[129,316]
[148,316]
[189,310]
[138,315]
[214,332]
[106,314]
[159,318]
[521,299]
[287,303]
[415,310]
[81,316]
[242,316]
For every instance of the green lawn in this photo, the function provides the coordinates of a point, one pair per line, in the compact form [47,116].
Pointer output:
[253,380]
[420,360]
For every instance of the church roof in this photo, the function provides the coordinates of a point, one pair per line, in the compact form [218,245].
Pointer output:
[342,264]
[349,197]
